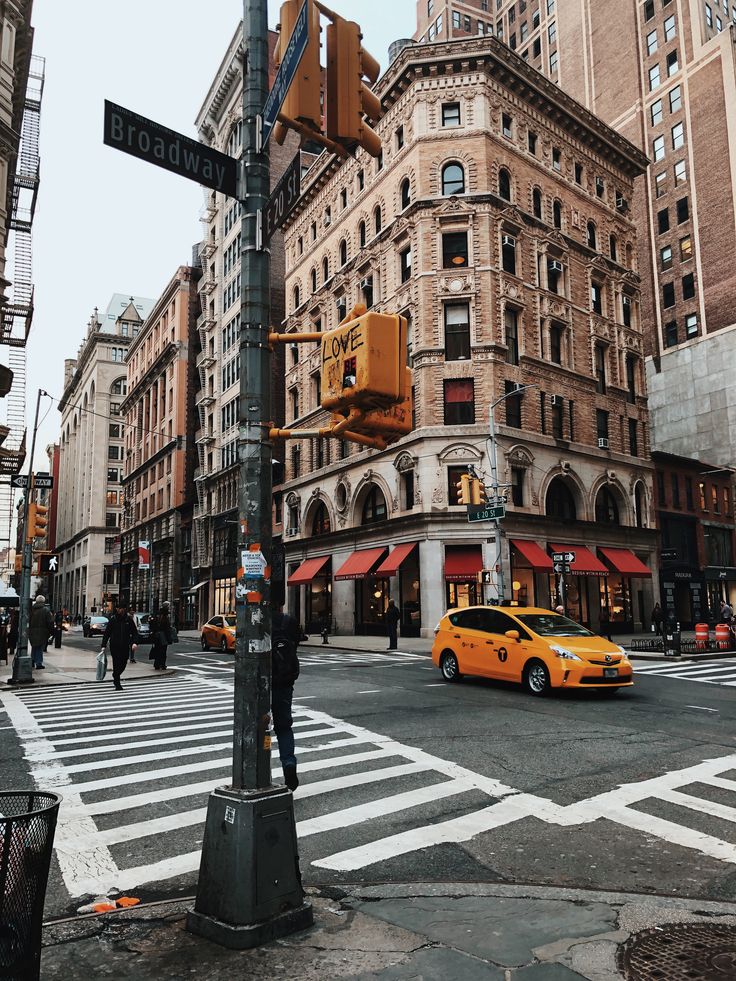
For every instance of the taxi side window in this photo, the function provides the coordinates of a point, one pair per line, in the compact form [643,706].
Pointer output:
[499,623]
[469,619]
[216,621]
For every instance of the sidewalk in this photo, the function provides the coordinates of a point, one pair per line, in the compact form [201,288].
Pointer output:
[70,665]
[432,932]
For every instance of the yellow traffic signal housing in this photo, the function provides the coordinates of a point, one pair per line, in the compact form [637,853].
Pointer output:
[303,101]
[477,491]
[37,521]
[18,563]
[391,423]
[348,97]
[363,363]
[462,488]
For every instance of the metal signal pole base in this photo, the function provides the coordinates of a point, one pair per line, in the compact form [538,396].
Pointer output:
[22,672]
[250,889]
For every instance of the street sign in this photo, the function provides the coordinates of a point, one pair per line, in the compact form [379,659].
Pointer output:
[43,481]
[495,501]
[669,555]
[567,557]
[485,512]
[289,63]
[561,568]
[143,138]
[19,480]
[283,200]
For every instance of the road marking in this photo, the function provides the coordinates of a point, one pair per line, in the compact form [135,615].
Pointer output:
[369,691]
[436,684]
[703,708]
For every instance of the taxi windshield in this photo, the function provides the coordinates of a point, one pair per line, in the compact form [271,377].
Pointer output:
[553,625]
[230,621]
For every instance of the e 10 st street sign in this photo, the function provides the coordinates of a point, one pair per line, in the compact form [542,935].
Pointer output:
[142,138]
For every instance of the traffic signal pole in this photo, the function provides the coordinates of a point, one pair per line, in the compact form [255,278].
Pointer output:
[22,667]
[249,890]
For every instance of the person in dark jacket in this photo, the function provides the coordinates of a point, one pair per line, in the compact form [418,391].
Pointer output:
[657,618]
[122,636]
[13,631]
[605,623]
[285,635]
[58,627]
[40,627]
[392,623]
[161,636]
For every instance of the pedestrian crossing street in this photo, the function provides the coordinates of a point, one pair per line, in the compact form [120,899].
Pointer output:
[135,769]
[721,671]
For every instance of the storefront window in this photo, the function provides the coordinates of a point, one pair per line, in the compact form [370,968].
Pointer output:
[371,601]
[224,596]
[615,592]
[718,547]
[319,603]
[461,594]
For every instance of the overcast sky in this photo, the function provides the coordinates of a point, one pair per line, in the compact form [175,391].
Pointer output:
[105,222]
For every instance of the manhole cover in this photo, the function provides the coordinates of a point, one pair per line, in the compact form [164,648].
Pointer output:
[682,952]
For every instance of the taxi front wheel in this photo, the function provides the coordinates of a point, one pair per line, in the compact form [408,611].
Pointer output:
[536,678]
[449,667]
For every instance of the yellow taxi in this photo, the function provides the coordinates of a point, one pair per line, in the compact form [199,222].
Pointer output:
[526,644]
[219,632]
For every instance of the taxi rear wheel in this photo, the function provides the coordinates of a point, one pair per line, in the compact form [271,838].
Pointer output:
[205,645]
[536,678]
[449,667]
[223,644]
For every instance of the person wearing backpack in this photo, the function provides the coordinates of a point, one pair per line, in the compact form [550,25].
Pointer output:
[284,672]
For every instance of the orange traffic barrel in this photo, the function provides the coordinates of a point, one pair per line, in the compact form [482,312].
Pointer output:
[723,636]
[701,636]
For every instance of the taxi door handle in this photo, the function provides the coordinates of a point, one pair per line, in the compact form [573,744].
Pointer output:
[456,636]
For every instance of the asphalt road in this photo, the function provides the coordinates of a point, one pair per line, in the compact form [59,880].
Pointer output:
[404,777]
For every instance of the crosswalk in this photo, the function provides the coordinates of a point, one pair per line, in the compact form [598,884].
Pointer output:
[135,769]
[309,657]
[715,672]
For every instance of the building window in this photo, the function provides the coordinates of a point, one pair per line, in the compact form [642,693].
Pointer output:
[405,264]
[601,423]
[553,60]
[366,287]
[511,324]
[651,42]
[671,334]
[343,252]
[377,219]
[513,405]
[649,9]
[659,184]
[688,286]
[675,99]
[691,325]
[680,169]
[114,430]
[612,247]
[686,248]
[663,220]
[325,269]
[111,520]
[362,234]
[504,184]
[114,453]
[606,507]
[554,276]
[537,202]
[508,254]
[543,413]
[633,437]
[631,378]
[665,257]
[459,396]
[668,295]
[313,280]
[678,136]
[113,475]
[669,28]
[507,125]
[399,137]
[708,15]
[405,193]
[578,173]
[111,498]
[683,210]
[454,249]
[596,298]
[531,142]
[591,237]
[654,80]
[626,309]
[658,150]
[556,159]
[555,343]
[672,64]
[360,177]
[457,332]
[374,507]
[517,486]
[451,114]
[453,179]
[600,369]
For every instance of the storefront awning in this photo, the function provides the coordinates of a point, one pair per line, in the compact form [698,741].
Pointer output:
[308,570]
[390,565]
[194,589]
[535,556]
[360,564]
[585,564]
[463,562]
[624,561]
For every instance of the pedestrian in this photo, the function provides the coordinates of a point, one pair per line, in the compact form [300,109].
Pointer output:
[122,636]
[606,623]
[726,612]
[4,641]
[284,672]
[13,631]
[40,625]
[657,618]
[560,609]
[161,634]
[58,627]
[392,623]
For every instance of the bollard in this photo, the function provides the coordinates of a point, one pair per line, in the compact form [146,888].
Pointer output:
[702,636]
[723,636]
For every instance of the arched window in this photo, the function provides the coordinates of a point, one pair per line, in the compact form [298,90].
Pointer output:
[296,297]
[606,507]
[343,250]
[405,193]
[119,387]
[504,184]
[557,214]
[313,277]
[321,521]
[591,237]
[639,506]
[374,507]
[612,248]
[377,219]
[325,269]
[361,233]
[453,179]
[560,502]
[537,202]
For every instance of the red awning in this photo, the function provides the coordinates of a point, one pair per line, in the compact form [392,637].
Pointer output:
[585,564]
[308,570]
[535,556]
[360,564]
[463,562]
[390,565]
[624,561]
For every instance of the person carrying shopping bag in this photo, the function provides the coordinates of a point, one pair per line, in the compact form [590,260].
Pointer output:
[122,636]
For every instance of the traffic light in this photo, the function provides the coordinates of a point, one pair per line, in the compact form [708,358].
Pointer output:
[37,521]
[363,362]
[349,99]
[477,491]
[462,488]
[391,423]
[303,100]
[18,563]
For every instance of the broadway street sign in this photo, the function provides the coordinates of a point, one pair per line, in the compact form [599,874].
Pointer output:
[289,63]
[283,200]
[141,137]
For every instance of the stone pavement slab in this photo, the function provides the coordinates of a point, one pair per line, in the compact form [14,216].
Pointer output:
[70,665]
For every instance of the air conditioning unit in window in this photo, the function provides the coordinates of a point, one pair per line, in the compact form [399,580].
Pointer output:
[366,283]
[602,443]
[622,204]
[508,240]
[555,400]
[555,266]
[290,532]
[599,184]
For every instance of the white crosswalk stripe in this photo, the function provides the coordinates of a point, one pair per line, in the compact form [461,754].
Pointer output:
[716,672]
[309,657]
[135,781]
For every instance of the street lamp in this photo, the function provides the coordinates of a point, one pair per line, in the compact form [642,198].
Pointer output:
[494,480]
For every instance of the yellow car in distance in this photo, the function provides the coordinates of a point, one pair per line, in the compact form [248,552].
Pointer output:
[526,644]
[219,632]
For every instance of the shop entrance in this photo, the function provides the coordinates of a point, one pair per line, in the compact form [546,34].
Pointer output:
[371,602]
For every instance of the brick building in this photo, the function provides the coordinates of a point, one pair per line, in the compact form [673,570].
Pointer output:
[494,222]
[159,413]
[668,84]
[694,503]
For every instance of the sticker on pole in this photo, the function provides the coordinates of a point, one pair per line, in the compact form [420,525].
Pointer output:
[254,564]
[230,814]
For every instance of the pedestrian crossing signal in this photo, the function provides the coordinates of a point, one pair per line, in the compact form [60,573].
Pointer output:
[485,577]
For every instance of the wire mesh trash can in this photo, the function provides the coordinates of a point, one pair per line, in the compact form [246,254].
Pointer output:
[27,826]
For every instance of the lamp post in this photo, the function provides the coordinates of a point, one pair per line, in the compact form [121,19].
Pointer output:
[492,456]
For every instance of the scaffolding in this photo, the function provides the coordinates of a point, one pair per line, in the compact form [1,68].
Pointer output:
[16,314]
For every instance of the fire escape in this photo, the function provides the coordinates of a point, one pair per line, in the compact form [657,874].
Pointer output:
[205,398]
[16,313]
